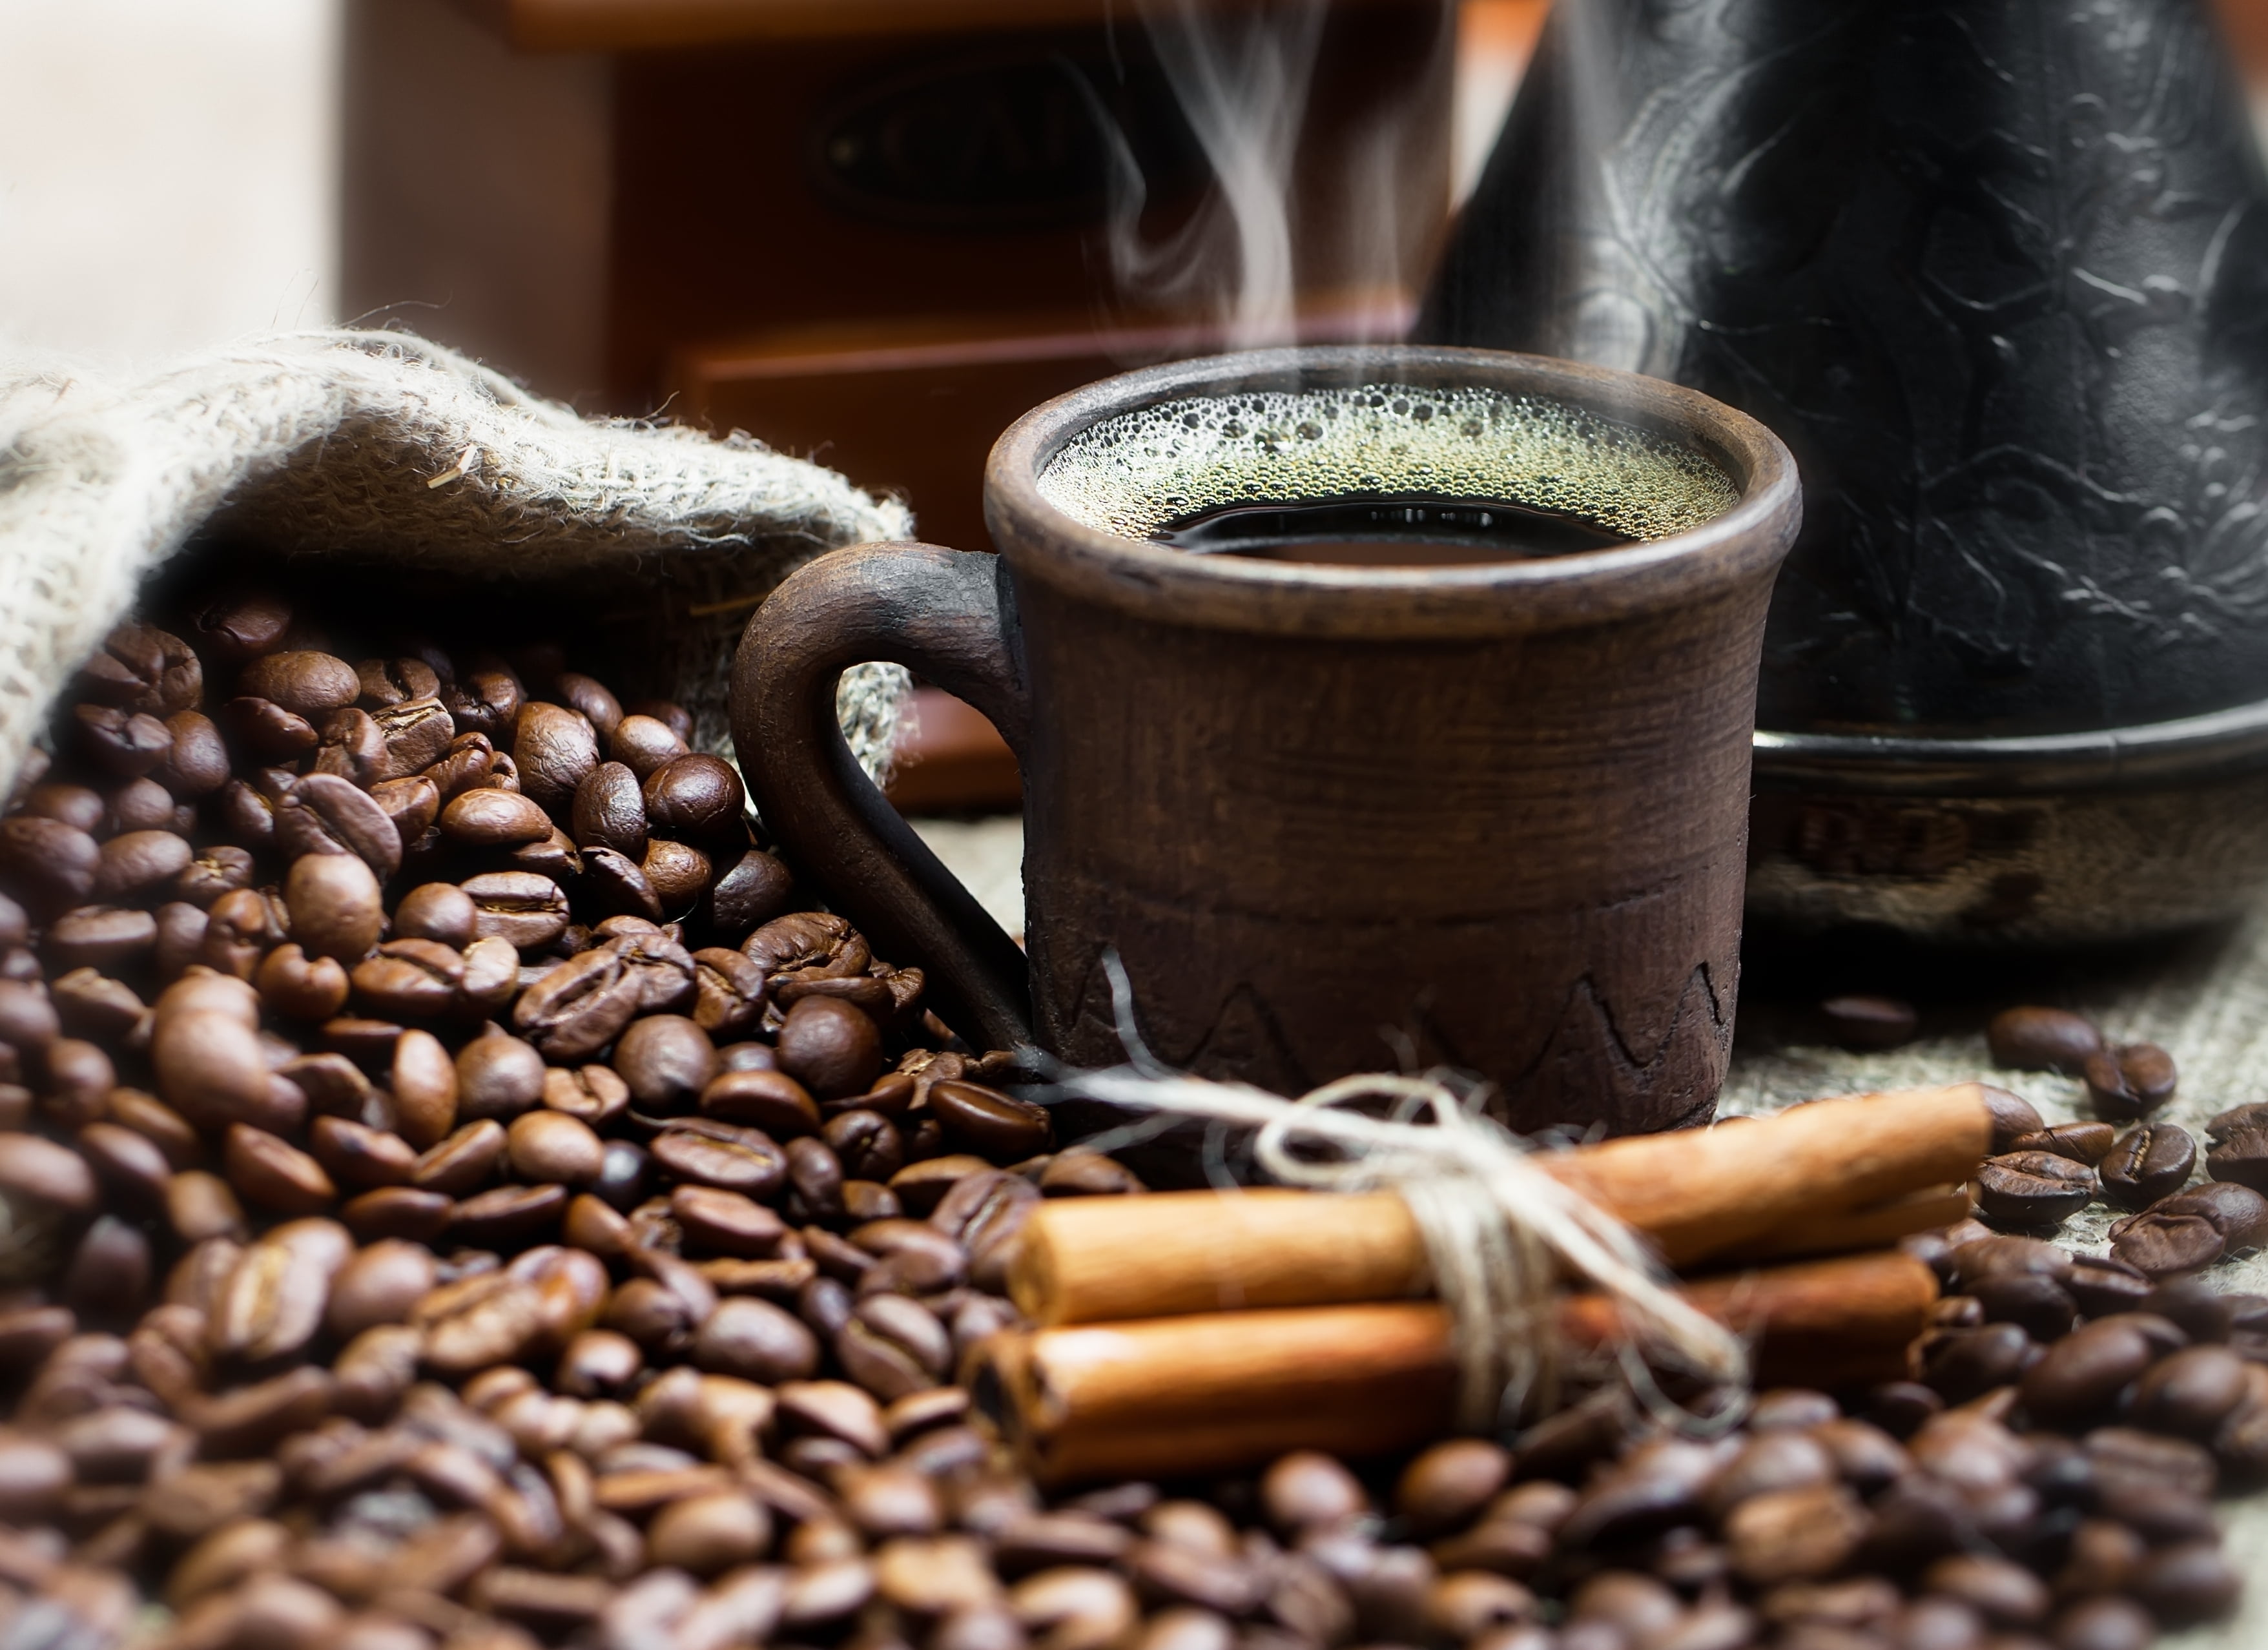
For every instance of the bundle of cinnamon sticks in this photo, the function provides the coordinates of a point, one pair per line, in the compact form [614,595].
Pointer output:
[1189,1332]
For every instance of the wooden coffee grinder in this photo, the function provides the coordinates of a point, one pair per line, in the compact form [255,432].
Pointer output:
[872,232]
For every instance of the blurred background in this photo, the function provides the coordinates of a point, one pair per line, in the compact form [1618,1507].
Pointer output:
[868,231]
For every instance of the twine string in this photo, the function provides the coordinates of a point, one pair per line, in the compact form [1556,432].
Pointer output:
[1501,1236]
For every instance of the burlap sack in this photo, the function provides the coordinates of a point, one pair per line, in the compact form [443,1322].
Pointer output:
[397,459]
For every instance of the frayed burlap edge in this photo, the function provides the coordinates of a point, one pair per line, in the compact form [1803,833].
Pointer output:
[390,450]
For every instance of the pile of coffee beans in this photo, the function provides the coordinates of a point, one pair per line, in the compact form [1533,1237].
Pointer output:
[448,1173]
[459,1196]
[2040,1176]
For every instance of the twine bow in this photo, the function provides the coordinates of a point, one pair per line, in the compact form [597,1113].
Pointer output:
[1501,1236]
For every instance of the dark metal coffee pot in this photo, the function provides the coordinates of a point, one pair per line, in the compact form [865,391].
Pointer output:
[1998,273]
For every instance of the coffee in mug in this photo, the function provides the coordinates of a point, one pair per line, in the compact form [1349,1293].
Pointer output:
[1372,475]
[1376,708]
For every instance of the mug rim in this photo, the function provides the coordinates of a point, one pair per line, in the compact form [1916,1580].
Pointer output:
[1158,581]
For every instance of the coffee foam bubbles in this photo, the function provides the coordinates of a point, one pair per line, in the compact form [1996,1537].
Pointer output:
[1146,469]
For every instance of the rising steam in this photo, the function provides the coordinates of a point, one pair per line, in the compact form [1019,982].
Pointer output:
[1241,76]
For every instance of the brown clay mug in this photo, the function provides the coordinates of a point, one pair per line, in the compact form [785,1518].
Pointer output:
[1488,814]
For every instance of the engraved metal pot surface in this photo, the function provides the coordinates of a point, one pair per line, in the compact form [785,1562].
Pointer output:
[1998,276]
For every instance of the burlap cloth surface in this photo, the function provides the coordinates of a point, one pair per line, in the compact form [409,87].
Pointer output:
[2205,998]
[387,457]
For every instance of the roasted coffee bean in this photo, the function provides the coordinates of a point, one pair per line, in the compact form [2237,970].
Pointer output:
[986,1120]
[360,1157]
[554,749]
[128,1163]
[485,698]
[599,707]
[463,1162]
[729,993]
[2150,1162]
[409,979]
[552,1148]
[678,874]
[2162,1245]
[101,937]
[274,1173]
[608,811]
[77,806]
[300,987]
[2039,1303]
[237,625]
[416,733]
[144,805]
[727,1156]
[1982,1257]
[2239,1155]
[696,796]
[353,747]
[754,889]
[390,682]
[398,1212]
[493,819]
[498,1076]
[238,931]
[618,884]
[132,864]
[756,1341]
[1961,1364]
[195,763]
[424,1082]
[125,744]
[865,1143]
[307,684]
[2130,1081]
[144,668]
[379,1284]
[591,1093]
[439,911]
[2043,1039]
[2189,1392]
[508,1215]
[2088,1143]
[1447,1485]
[830,1047]
[580,1008]
[48,865]
[2195,1307]
[2078,1378]
[323,814]
[662,967]
[519,906]
[2187,1583]
[211,1069]
[624,1172]
[719,1222]
[2104,1284]
[667,1060]
[643,744]
[467,764]
[91,1003]
[1869,1023]
[2191,1229]
[2033,1188]
[2239,1213]
[816,1173]
[265,731]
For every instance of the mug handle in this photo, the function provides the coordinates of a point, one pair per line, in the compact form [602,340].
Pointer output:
[950,615]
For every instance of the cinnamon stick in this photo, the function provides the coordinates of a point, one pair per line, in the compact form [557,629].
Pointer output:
[1698,1194]
[1847,1231]
[1223,1390]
